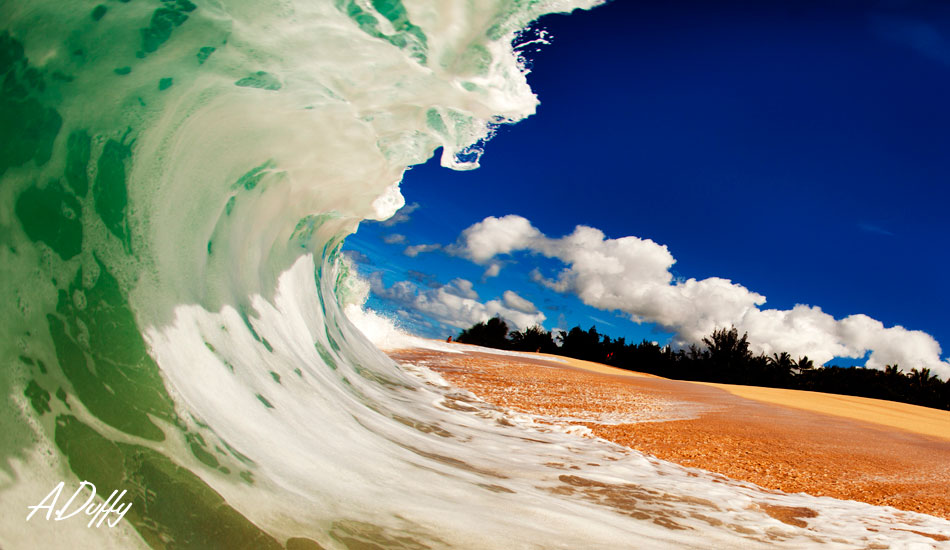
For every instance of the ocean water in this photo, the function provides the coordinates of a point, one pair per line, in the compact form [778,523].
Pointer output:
[176,180]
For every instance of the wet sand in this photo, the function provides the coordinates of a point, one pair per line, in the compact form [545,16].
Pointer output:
[848,448]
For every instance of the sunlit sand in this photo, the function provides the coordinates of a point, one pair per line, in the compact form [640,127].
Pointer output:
[850,448]
[911,418]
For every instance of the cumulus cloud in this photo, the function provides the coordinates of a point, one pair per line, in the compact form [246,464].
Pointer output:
[456,304]
[463,288]
[492,270]
[517,303]
[357,257]
[402,215]
[426,279]
[493,236]
[634,275]
[394,238]
[416,249]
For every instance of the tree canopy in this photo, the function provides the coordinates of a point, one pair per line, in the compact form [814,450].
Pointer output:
[725,357]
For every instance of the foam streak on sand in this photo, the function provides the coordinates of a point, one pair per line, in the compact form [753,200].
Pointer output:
[821,450]
[180,179]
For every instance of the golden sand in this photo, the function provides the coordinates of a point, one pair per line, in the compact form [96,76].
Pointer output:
[878,452]
[911,418]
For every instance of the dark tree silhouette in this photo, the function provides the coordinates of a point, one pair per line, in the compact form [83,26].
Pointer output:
[729,356]
[532,339]
[492,334]
[725,357]
[782,361]
[582,345]
[726,348]
[804,364]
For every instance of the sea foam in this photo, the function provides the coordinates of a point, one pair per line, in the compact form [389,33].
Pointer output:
[177,180]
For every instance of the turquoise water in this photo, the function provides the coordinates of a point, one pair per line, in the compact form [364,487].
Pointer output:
[176,180]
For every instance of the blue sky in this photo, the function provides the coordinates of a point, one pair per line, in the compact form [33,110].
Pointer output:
[798,150]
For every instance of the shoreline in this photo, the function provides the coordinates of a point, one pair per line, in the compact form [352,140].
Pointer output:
[820,444]
[903,416]
[893,414]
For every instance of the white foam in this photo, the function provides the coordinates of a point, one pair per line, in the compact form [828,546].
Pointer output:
[384,334]
[338,434]
[389,443]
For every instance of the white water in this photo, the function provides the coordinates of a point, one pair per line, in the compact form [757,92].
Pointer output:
[242,179]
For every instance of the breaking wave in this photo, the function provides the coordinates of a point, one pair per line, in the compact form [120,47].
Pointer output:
[177,180]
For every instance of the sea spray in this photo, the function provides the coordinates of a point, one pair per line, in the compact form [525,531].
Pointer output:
[177,179]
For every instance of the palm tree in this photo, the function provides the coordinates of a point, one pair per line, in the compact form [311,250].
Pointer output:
[729,355]
[725,346]
[804,363]
[533,338]
[492,333]
[782,362]
[921,378]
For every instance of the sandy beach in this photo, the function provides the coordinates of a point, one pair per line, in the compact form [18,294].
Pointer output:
[851,448]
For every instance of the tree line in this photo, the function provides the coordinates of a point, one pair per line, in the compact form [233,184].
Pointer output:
[724,357]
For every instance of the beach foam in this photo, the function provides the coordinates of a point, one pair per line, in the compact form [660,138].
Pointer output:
[172,223]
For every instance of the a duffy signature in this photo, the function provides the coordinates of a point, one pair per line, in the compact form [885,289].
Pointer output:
[99,512]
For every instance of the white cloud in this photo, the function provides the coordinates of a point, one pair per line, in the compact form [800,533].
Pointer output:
[493,236]
[358,257]
[492,271]
[463,288]
[518,303]
[633,275]
[394,238]
[456,304]
[401,215]
[415,250]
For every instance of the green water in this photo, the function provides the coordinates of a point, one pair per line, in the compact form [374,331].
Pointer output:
[90,350]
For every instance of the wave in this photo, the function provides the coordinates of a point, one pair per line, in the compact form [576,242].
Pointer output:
[177,180]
